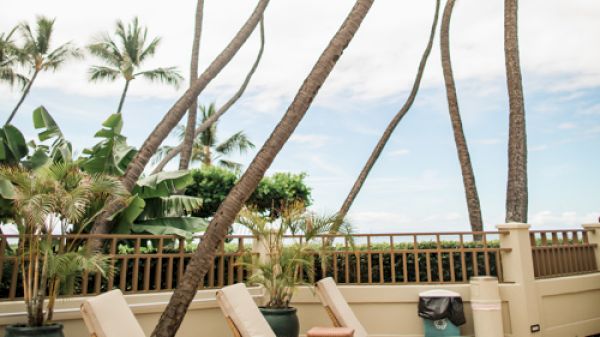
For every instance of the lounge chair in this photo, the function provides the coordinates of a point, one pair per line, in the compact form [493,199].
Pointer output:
[337,308]
[242,314]
[108,315]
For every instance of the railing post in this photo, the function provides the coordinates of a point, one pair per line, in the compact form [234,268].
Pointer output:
[594,238]
[517,266]
[487,307]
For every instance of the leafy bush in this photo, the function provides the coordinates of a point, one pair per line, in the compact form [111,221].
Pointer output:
[212,184]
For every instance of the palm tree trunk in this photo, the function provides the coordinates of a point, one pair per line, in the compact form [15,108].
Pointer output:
[360,180]
[459,137]
[206,160]
[215,117]
[516,193]
[122,100]
[25,93]
[225,215]
[135,168]
[188,140]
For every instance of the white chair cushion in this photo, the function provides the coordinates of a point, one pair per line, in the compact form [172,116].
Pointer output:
[237,304]
[108,315]
[332,297]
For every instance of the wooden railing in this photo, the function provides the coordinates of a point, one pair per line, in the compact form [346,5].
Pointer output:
[402,258]
[562,253]
[139,263]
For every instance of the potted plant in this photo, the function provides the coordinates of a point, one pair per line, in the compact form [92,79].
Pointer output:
[54,199]
[288,246]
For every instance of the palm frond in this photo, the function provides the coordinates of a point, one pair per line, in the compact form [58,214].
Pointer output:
[60,55]
[168,75]
[238,141]
[102,73]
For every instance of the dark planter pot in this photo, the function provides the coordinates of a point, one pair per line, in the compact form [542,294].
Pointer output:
[51,330]
[284,322]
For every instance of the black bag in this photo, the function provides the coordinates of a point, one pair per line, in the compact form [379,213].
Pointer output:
[436,308]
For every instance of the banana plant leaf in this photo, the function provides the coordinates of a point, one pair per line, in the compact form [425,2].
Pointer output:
[171,206]
[182,226]
[163,184]
[61,149]
[112,154]
[13,147]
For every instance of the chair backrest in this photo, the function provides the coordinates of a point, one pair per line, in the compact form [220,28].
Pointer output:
[239,307]
[108,315]
[336,305]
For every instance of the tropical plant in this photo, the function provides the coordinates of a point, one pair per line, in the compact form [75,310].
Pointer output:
[125,56]
[462,149]
[285,266]
[55,198]
[203,258]
[222,110]
[184,160]
[37,55]
[176,112]
[387,133]
[516,191]
[112,154]
[206,149]
[156,208]
[9,58]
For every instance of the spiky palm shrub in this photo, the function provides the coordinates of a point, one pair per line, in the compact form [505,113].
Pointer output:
[283,267]
[55,198]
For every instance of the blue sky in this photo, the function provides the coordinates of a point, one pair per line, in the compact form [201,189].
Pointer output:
[416,184]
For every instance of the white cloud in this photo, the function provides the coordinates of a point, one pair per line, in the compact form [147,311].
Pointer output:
[567,126]
[538,148]
[311,140]
[547,219]
[399,152]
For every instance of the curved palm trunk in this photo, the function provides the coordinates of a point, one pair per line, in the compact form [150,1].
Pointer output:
[25,93]
[516,192]
[122,100]
[207,158]
[360,180]
[459,137]
[173,116]
[188,141]
[225,215]
[213,118]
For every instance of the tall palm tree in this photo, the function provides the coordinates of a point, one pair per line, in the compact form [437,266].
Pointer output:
[174,115]
[206,148]
[362,177]
[468,176]
[223,109]
[125,56]
[37,55]
[230,207]
[9,57]
[188,142]
[516,192]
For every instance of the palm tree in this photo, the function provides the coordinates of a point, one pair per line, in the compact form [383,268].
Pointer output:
[227,212]
[206,149]
[184,160]
[37,55]
[223,109]
[516,192]
[125,56]
[174,115]
[9,57]
[362,177]
[459,137]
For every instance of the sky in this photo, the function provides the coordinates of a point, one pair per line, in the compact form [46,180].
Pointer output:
[416,185]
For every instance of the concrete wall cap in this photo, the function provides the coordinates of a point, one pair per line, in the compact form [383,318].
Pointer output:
[480,279]
[591,225]
[513,225]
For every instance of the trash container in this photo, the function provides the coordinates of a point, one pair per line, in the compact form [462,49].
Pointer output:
[442,313]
